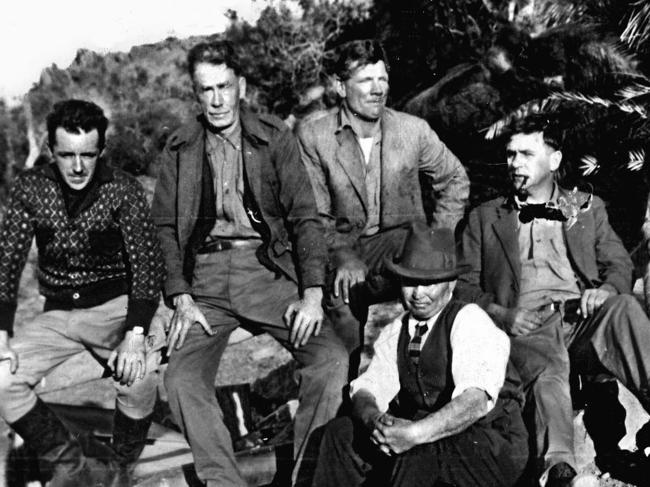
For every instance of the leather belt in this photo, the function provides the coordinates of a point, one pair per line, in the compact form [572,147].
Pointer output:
[569,310]
[220,244]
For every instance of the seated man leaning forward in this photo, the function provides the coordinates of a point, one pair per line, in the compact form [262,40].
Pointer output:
[244,246]
[100,269]
[550,270]
[438,404]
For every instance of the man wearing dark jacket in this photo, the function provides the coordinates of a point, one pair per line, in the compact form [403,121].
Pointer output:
[554,275]
[243,245]
[100,270]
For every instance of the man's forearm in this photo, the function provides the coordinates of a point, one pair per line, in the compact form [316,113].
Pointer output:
[364,408]
[456,416]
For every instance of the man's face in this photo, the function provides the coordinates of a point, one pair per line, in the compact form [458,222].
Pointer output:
[76,156]
[425,300]
[366,91]
[531,163]
[218,90]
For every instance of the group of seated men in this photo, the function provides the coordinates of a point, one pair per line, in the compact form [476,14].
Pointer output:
[296,236]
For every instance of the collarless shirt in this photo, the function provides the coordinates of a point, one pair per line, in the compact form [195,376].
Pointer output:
[479,357]
[225,156]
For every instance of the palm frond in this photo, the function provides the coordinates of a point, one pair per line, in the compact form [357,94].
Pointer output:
[555,101]
[637,29]
[589,165]
[636,90]
[636,160]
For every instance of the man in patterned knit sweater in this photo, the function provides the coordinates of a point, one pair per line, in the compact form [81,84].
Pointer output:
[100,270]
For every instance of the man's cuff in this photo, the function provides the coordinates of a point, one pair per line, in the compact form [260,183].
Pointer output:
[139,312]
[7,315]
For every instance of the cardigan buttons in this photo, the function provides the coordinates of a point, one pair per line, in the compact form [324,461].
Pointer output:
[75,296]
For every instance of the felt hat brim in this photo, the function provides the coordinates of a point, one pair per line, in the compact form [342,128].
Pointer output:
[426,274]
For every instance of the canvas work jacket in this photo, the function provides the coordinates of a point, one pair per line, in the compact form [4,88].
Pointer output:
[277,187]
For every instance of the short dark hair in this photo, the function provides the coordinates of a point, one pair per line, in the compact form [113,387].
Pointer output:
[538,122]
[355,54]
[215,52]
[76,116]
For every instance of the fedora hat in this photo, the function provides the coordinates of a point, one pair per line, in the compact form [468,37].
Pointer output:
[428,255]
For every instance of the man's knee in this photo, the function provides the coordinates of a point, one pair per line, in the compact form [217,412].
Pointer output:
[8,381]
[627,305]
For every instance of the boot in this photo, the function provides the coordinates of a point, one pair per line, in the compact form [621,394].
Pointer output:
[61,458]
[129,437]
[604,417]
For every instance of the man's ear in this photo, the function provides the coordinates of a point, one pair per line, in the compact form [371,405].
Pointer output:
[242,87]
[555,160]
[339,86]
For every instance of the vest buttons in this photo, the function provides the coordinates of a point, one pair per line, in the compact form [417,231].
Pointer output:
[75,296]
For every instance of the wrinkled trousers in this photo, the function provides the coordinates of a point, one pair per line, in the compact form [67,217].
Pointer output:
[615,340]
[233,289]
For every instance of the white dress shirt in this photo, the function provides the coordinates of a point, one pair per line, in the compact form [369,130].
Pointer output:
[479,357]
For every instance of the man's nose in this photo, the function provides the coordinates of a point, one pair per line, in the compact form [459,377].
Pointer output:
[77,165]
[417,292]
[377,87]
[217,98]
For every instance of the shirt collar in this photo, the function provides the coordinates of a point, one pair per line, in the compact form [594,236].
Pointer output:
[412,323]
[346,121]
[232,137]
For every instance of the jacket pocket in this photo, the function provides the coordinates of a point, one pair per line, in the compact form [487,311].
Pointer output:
[105,242]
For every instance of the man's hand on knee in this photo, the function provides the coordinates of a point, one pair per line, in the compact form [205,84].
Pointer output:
[186,314]
[7,353]
[592,299]
[128,360]
[348,275]
[305,317]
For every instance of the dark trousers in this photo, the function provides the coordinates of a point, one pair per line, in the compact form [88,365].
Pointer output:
[615,340]
[232,288]
[348,320]
[481,456]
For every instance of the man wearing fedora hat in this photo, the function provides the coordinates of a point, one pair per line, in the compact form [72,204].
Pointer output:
[439,403]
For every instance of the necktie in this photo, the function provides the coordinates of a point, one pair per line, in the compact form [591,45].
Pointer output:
[529,212]
[416,342]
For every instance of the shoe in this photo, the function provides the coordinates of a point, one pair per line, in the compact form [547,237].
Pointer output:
[561,475]
[62,461]
[626,466]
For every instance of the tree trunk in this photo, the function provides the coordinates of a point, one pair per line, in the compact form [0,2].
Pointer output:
[34,148]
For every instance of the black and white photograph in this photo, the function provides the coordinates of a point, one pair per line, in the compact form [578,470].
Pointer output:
[325,243]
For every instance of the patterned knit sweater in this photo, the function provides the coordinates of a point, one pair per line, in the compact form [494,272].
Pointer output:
[105,247]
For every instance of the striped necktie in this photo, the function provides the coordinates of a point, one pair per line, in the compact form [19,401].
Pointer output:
[416,342]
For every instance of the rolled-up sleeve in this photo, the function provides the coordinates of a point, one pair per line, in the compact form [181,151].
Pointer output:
[381,378]
[480,353]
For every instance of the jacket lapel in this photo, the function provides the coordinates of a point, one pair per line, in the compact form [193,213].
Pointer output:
[505,228]
[348,157]
[391,147]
